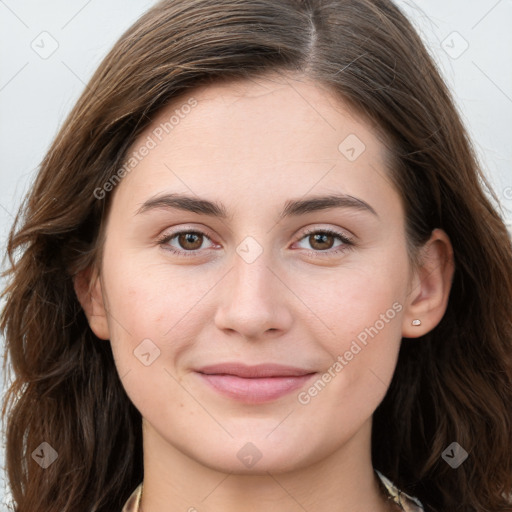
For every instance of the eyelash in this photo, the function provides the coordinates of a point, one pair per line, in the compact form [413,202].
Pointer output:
[348,243]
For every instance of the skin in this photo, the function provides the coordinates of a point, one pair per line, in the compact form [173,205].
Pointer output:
[252,146]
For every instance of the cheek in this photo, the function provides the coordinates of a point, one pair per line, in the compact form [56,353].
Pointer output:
[361,310]
[153,308]
[362,355]
[353,299]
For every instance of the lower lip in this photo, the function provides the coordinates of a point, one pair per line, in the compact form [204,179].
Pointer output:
[255,390]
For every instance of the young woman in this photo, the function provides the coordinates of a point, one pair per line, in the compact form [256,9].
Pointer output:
[260,269]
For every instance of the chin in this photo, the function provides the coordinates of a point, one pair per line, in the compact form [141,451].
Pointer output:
[277,463]
[251,455]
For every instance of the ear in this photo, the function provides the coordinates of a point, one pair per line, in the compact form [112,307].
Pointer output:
[430,286]
[88,289]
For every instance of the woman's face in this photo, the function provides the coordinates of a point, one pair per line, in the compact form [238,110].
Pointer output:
[258,229]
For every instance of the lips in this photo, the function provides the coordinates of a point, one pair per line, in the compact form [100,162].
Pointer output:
[254,384]
[258,371]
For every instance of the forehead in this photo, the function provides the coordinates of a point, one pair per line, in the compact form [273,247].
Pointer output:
[274,134]
[290,106]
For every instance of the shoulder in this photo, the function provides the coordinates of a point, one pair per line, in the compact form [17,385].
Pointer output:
[408,503]
[131,504]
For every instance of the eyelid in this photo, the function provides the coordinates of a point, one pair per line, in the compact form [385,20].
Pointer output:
[343,234]
[170,232]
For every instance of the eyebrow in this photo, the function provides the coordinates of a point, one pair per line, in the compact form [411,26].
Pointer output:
[292,208]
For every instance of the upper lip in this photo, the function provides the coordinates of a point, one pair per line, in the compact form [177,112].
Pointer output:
[256,371]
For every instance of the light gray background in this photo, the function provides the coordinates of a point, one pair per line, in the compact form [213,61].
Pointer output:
[470,40]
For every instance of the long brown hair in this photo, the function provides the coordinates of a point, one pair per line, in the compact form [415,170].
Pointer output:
[452,385]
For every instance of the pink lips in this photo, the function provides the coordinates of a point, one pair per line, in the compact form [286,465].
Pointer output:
[254,384]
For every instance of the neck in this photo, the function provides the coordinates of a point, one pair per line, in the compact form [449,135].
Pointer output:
[342,481]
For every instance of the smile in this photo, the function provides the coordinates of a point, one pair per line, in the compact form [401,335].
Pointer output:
[254,384]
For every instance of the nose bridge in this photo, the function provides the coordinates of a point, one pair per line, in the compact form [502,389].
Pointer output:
[250,275]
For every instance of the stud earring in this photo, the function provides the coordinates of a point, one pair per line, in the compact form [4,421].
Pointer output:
[416,322]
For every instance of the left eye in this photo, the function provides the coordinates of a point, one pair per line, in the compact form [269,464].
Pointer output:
[323,240]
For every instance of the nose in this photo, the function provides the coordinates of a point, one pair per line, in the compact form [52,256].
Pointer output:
[254,301]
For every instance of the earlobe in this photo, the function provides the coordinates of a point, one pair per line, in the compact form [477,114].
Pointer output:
[88,289]
[430,287]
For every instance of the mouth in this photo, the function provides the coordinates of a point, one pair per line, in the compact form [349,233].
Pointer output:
[254,384]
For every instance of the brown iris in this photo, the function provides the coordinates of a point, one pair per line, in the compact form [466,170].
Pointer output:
[196,239]
[320,238]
